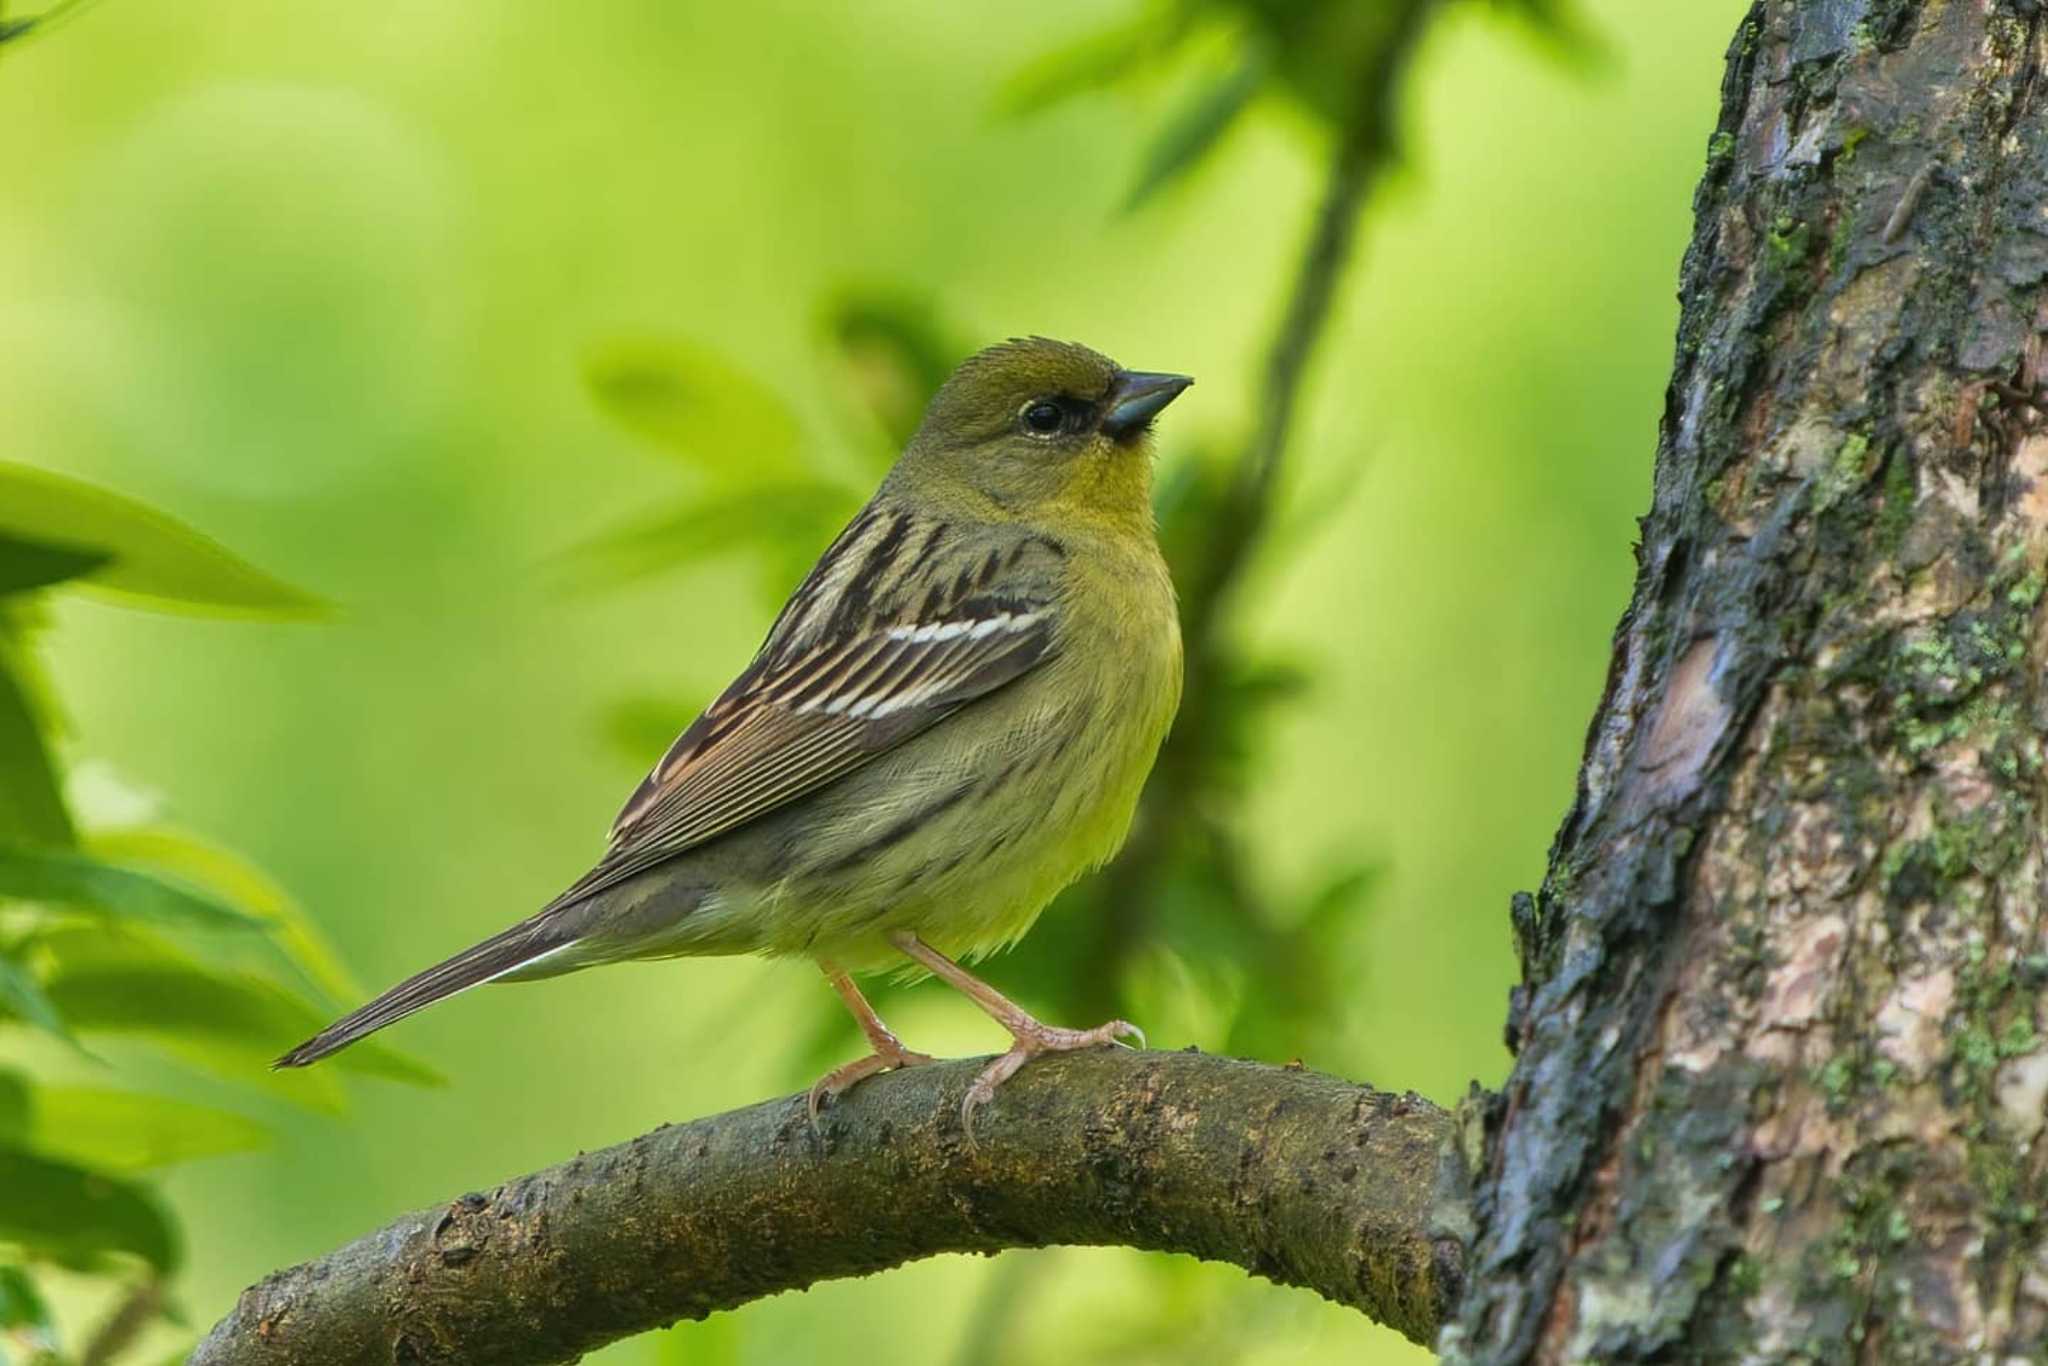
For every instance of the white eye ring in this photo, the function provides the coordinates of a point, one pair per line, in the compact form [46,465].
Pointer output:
[1042,417]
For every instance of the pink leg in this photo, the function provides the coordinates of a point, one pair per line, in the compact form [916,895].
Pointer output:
[889,1050]
[1031,1037]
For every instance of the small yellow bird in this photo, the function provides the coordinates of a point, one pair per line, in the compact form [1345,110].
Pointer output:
[950,720]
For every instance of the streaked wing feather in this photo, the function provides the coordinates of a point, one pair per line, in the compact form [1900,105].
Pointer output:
[795,722]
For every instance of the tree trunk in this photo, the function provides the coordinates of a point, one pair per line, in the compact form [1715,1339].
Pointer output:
[1780,1063]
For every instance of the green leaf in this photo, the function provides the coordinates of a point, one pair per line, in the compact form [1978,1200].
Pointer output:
[1296,987]
[1563,32]
[26,564]
[17,1107]
[241,884]
[73,1215]
[73,879]
[31,807]
[1095,61]
[692,403]
[228,1023]
[1198,128]
[790,521]
[22,1311]
[22,996]
[154,561]
[824,1039]
[122,1131]
[894,352]
[1340,901]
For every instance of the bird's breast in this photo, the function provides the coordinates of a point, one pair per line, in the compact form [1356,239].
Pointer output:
[964,833]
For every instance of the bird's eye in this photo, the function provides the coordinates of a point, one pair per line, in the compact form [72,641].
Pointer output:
[1043,418]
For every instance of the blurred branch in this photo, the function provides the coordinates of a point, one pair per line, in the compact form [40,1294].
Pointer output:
[1364,147]
[125,1324]
[45,21]
[1295,1176]
[991,1331]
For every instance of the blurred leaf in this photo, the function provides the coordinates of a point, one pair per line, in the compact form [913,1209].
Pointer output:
[26,564]
[100,797]
[31,807]
[894,353]
[22,1311]
[1187,1002]
[71,1215]
[1245,694]
[1198,128]
[22,996]
[239,883]
[1192,501]
[16,1107]
[122,1131]
[1264,682]
[793,521]
[1091,62]
[1298,980]
[53,16]
[232,1027]
[1340,898]
[1562,31]
[1204,914]
[227,1023]
[1313,511]
[694,404]
[155,560]
[1326,52]
[171,1310]
[73,879]
[828,1036]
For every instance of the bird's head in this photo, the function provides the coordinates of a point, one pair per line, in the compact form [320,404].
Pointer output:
[1036,430]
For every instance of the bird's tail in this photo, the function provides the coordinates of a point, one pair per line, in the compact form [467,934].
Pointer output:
[495,957]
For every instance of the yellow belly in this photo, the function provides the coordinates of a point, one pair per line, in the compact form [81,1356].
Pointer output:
[1051,796]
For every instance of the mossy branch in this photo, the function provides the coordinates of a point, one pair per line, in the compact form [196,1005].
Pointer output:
[1293,1175]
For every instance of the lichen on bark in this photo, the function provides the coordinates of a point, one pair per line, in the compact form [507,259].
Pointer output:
[1780,1071]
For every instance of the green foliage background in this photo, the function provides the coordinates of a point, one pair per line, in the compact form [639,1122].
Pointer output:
[365,294]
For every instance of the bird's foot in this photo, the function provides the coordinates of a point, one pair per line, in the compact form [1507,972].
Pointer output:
[1032,1039]
[842,1079]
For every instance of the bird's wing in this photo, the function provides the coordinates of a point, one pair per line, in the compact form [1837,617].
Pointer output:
[809,710]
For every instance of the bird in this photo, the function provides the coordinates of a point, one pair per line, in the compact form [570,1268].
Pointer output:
[950,720]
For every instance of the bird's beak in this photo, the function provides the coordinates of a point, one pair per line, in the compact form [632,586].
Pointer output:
[1137,398]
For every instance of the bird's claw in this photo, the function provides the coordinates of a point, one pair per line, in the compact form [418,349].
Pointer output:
[1031,1041]
[845,1077]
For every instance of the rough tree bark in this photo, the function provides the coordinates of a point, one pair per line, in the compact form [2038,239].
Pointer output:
[1780,1063]
[1781,1069]
[1296,1176]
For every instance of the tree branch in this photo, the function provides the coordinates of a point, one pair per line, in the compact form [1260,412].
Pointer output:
[1290,1174]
